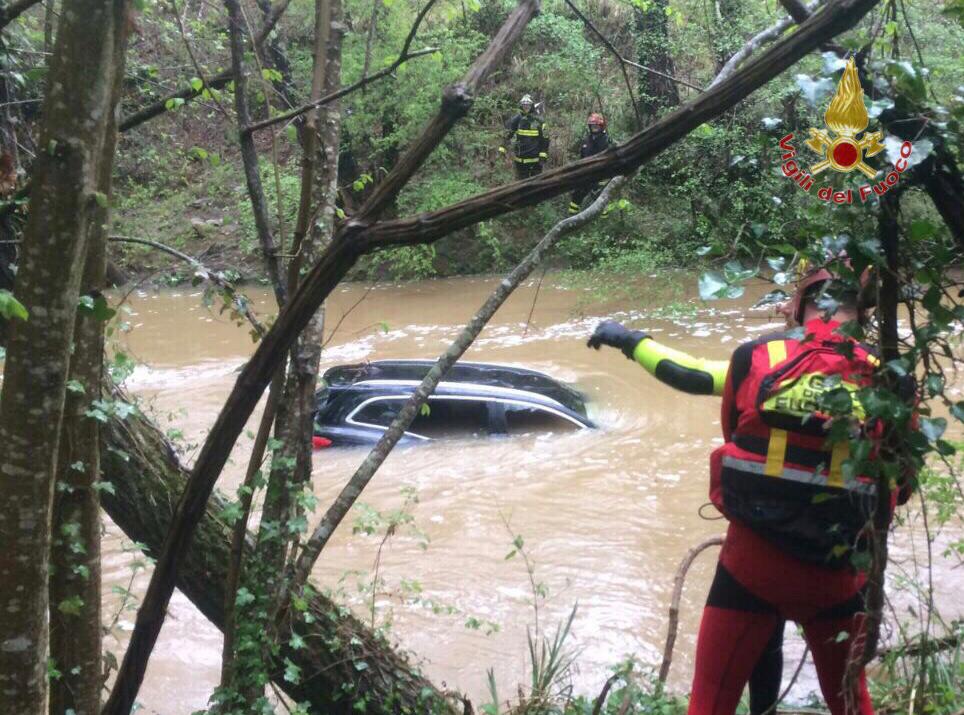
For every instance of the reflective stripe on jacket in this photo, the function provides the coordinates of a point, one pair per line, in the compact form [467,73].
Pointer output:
[529,134]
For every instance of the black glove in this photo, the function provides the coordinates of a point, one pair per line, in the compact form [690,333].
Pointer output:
[611,333]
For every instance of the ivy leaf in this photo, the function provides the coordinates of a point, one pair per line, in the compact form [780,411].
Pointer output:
[292,672]
[10,307]
[814,90]
[105,487]
[244,597]
[933,427]
[922,149]
[957,409]
[713,285]
[96,307]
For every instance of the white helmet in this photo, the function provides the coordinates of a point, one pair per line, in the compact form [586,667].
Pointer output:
[526,99]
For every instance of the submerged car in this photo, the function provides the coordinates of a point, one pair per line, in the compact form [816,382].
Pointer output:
[359,402]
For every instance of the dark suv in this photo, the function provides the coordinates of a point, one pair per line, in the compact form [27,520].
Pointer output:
[360,401]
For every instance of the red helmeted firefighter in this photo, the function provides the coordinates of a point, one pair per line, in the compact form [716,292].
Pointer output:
[596,140]
[796,513]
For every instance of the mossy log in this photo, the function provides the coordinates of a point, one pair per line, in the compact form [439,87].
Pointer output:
[342,661]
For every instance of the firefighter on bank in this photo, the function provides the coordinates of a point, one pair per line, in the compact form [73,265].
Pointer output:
[597,140]
[794,515]
[531,144]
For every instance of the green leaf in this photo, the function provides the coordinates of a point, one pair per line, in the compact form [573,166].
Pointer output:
[71,606]
[292,672]
[197,84]
[814,90]
[713,285]
[243,597]
[96,307]
[101,198]
[296,642]
[934,384]
[105,487]
[75,386]
[957,409]
[11,308]
[173,103]
[933,427]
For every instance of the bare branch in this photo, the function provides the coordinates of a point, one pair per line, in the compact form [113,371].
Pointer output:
[239,300]
[249,155]
[403,56]
[670,77]
[218,81]
[761,38]
[673,626]
[331,97]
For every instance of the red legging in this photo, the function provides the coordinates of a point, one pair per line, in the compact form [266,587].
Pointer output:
[755,586]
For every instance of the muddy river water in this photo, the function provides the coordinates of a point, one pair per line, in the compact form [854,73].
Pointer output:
[606,515]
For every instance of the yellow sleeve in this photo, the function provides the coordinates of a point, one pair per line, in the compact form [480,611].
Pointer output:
[681,371]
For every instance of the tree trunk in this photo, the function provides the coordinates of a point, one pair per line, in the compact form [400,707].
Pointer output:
[78,105]
[75,632]
[148,480]
[652,49]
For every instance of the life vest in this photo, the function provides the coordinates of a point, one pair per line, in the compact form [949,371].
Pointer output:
[779,474]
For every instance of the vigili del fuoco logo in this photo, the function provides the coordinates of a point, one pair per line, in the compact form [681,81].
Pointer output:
[842,148]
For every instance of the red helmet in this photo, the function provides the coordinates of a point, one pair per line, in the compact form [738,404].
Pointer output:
[596,119]
[810,277]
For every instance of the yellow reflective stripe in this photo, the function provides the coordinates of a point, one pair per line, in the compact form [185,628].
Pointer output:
[841,451]
[527,132]
[777,350]
[776,452]
[526,161]
[873,360]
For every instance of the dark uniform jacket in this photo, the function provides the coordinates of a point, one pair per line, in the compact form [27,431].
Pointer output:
[593,144]
[529,132]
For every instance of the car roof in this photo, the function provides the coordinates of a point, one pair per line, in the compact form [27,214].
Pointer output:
[464,378]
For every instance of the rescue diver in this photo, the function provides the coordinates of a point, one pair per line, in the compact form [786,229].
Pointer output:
[596,140]
[794,513]
[531,144]
[699,376]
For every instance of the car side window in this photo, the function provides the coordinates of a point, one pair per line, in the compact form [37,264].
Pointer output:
[521,419]
[379,412]
[438,419]
[452,419]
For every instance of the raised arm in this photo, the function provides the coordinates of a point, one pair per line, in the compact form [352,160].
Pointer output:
[677,369]
[681,371]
